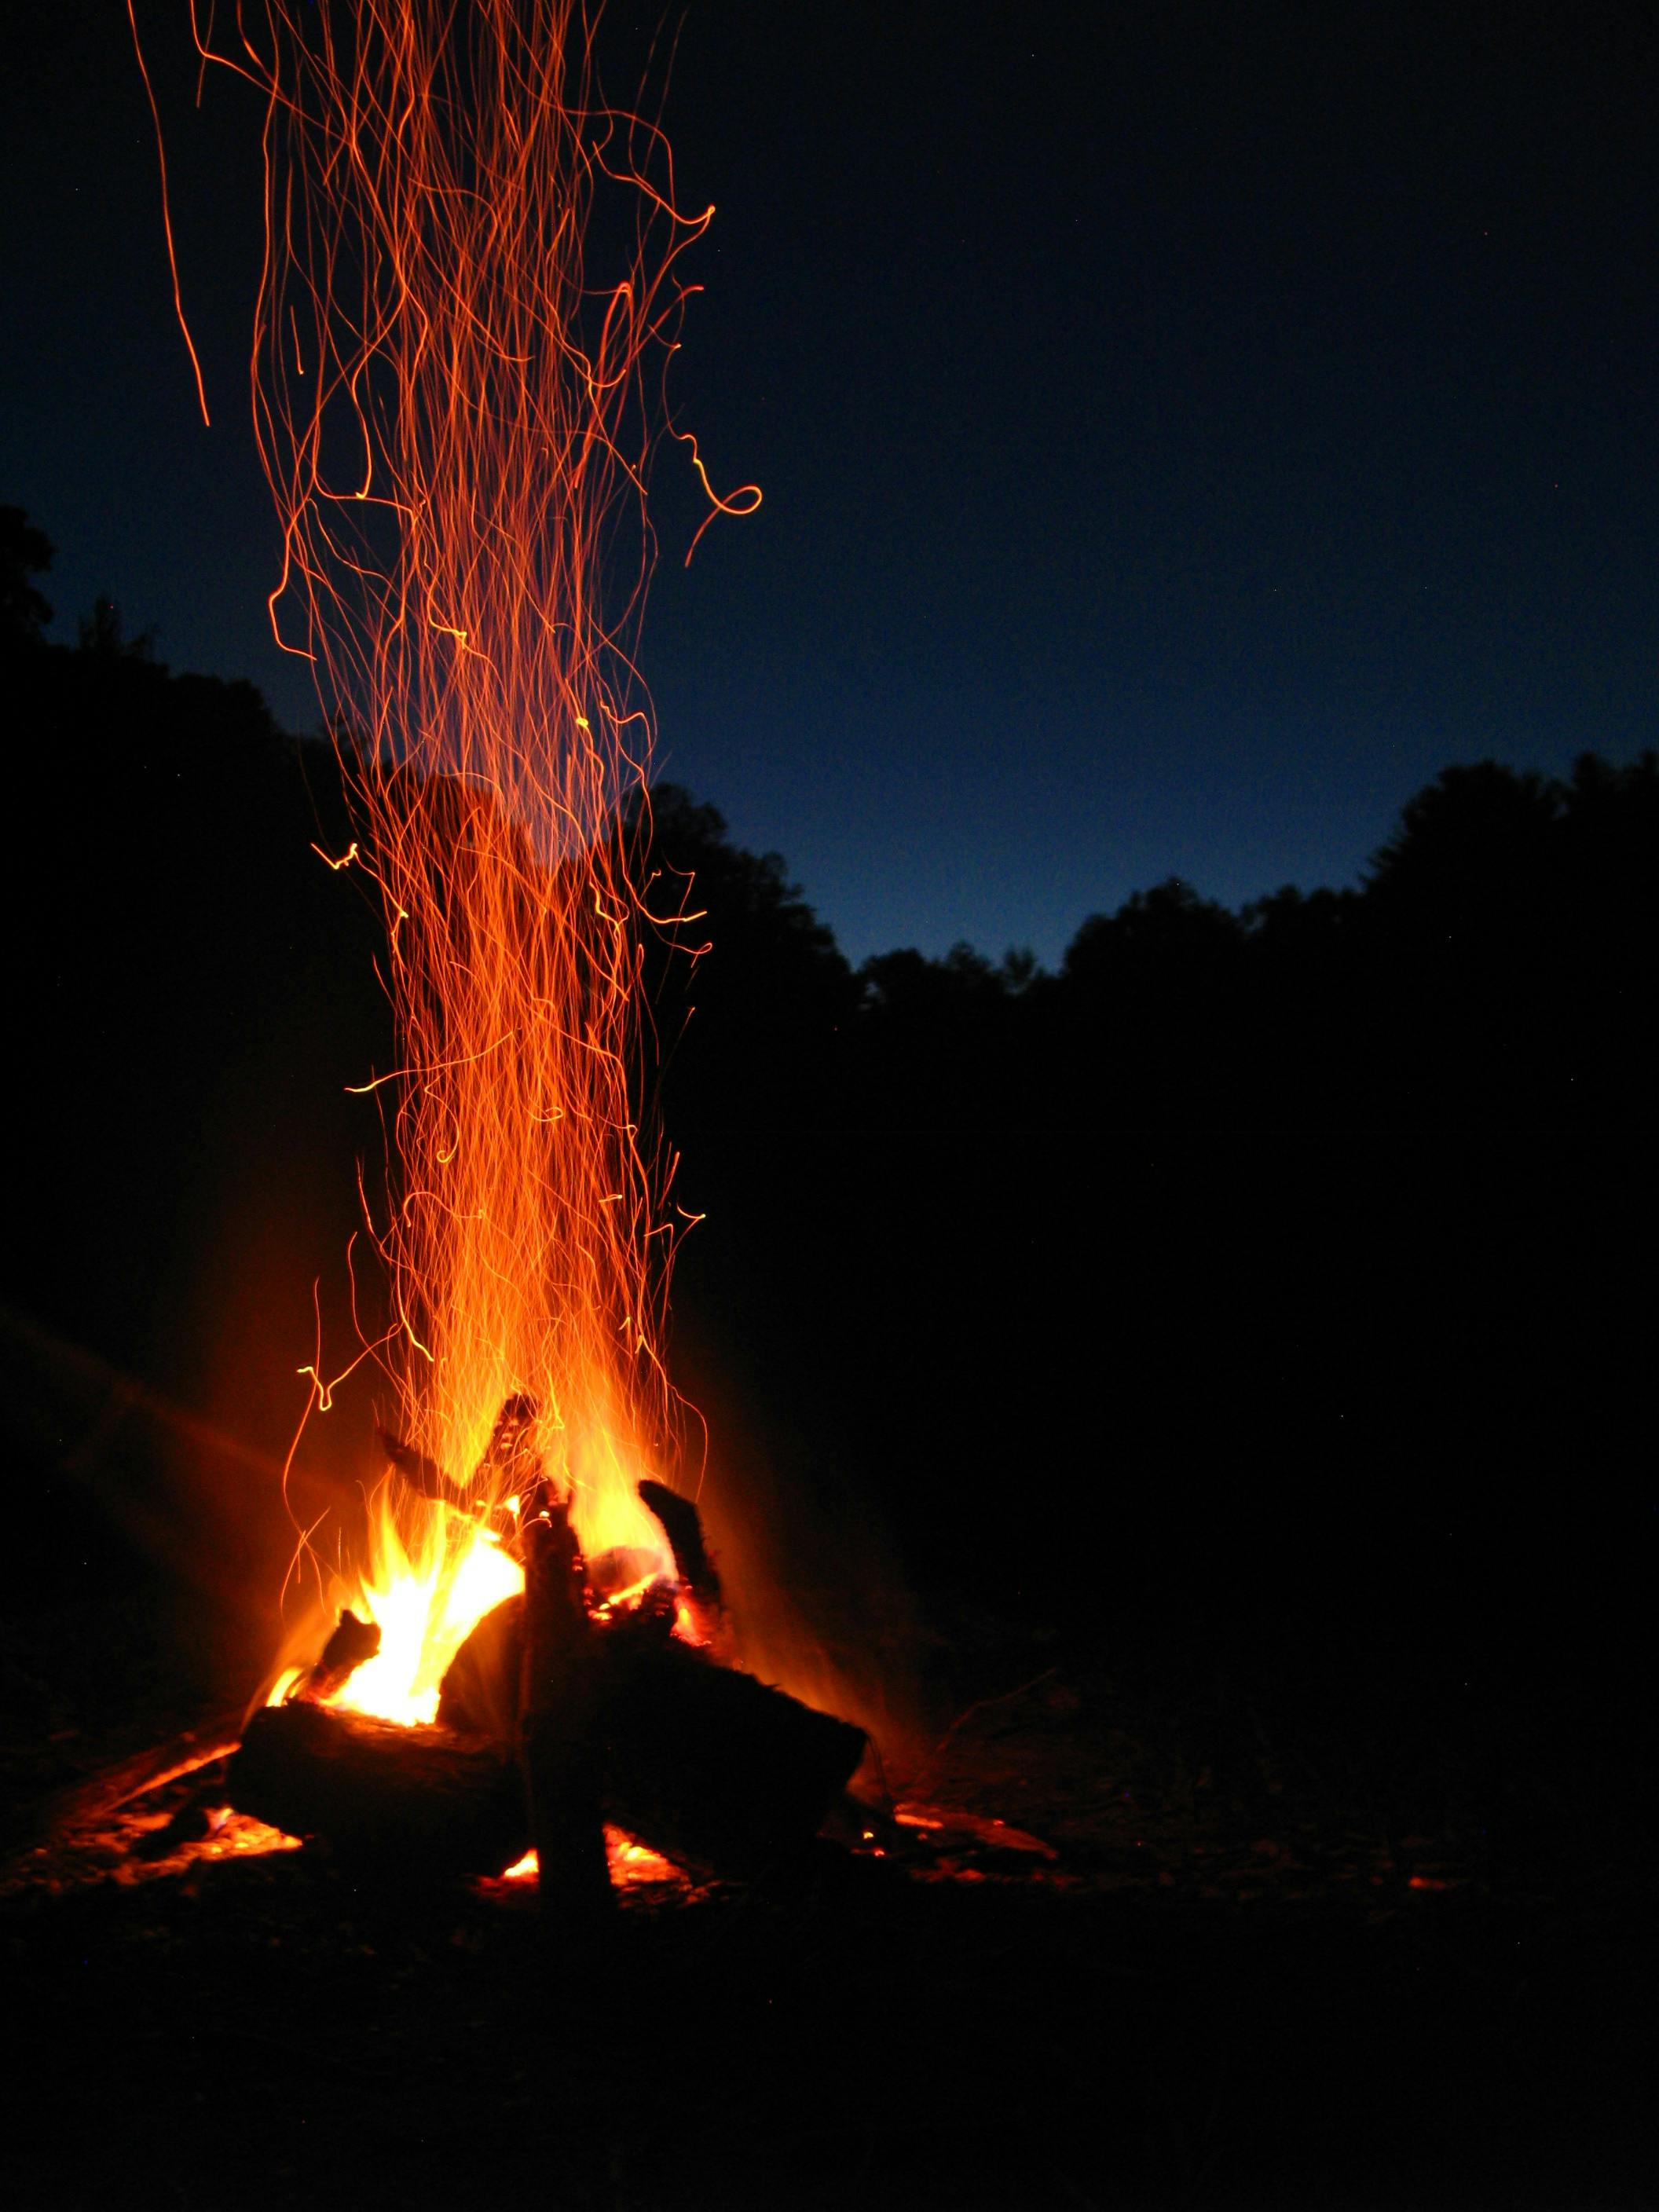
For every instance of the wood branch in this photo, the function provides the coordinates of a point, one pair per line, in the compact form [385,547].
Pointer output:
[559,1742]
[423,1475]
[418,1802]
[510,1463]
[682,1526]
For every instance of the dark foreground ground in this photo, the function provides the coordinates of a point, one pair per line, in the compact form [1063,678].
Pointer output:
[1218,1954]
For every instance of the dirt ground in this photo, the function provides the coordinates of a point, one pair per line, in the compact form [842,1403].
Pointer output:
[1127,1943]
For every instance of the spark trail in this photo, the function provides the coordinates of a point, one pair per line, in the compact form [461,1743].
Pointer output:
[456,407]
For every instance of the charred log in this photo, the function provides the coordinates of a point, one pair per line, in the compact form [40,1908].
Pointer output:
[711,1768]
[353,1643]
[682,1526]
[416,1800]
[705,1764]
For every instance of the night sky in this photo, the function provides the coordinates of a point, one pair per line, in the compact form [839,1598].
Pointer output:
[1183,429]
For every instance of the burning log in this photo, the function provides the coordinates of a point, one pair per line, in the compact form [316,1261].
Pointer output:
[479,1695]
[104,1793]
[415,1800]
[708,1765]
[509,1452]
[352,1644]
[558,1743]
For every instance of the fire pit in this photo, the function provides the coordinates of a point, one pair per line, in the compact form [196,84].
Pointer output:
[570,1704]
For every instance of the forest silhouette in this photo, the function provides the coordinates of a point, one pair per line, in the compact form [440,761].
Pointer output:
[1255,1282]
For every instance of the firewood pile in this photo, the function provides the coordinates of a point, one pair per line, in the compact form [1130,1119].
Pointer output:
[562,1712]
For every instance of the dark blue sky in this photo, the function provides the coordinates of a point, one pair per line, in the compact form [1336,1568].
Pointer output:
[1183,428]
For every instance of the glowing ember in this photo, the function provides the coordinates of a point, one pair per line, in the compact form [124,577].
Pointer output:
[630,1863]
[455,414]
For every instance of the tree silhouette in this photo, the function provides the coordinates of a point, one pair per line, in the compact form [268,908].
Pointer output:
[770,988]
[1154,937]
[103,632]
[1510,929]
[24,551]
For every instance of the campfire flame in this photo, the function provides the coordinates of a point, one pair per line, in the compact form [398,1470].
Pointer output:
[425,1606]
[456,410]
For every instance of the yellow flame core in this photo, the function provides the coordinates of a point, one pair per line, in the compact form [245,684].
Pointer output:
[454,411]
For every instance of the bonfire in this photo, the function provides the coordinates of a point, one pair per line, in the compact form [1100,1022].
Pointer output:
[468,306]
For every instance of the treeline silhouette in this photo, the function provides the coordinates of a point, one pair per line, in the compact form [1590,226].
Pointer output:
[1258,1276]
[1491,972]
[1243,1246]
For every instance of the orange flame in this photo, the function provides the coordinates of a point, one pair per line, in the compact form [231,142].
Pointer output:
[456,412]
